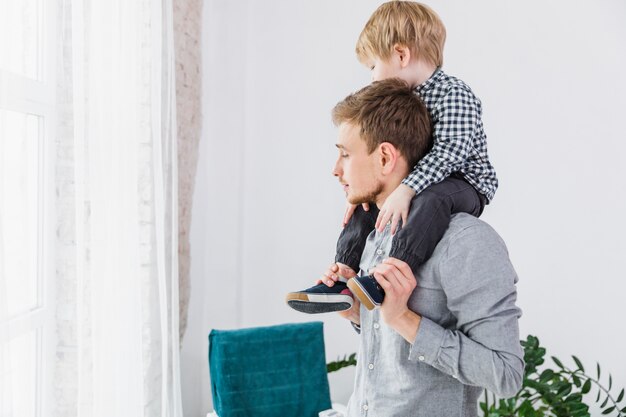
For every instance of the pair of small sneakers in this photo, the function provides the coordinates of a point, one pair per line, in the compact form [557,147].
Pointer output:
[324,299]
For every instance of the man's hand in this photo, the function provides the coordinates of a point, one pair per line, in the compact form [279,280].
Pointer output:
[331,276]
[354,314]
[334,271]
[398,281]
[396,207]
[350,211]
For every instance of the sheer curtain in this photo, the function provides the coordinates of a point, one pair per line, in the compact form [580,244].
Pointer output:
[118,306]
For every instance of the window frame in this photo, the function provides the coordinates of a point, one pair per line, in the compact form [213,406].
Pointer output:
[38,97]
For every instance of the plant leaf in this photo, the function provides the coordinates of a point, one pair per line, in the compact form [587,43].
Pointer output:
[575,398]
[608,410]
[576,380]
[564,390]
[598,369]
[605,401]
[598,397]
[546,375]
[578,363]
[586,386]
[558,362]
[610,382]
[621,395]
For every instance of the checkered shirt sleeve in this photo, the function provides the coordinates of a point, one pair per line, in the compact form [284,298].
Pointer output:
[456,119]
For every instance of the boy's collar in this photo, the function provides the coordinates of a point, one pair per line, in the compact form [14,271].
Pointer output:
[426,85]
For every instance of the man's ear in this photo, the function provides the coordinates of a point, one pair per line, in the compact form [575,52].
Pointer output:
[403,53]
[388,156]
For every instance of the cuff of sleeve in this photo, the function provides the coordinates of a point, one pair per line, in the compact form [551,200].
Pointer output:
[414,185]
[356,327]
[399,251]
[427,343]
[351,260]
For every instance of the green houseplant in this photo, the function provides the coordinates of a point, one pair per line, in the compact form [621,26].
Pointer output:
[545,392]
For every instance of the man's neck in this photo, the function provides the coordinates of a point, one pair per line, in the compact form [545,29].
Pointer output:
[381,198]
[387,190]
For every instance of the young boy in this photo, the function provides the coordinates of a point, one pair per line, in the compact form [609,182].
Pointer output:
[405,39]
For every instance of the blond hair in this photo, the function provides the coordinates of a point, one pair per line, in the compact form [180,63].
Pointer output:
[407,23]
[388,111]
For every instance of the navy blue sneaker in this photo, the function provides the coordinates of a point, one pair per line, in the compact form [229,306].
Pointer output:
[367,290]
[321,299]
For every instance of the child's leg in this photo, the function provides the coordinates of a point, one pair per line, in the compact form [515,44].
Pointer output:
[429,217]
[354,236]
[323,299]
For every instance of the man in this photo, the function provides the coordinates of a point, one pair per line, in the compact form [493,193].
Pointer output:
[438,340]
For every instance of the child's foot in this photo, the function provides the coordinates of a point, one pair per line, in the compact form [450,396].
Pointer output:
[321,299]
[367,290]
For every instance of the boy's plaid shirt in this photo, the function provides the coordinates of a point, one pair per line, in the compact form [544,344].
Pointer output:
[459,142]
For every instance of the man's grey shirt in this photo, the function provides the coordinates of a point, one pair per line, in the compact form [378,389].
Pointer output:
[468,338]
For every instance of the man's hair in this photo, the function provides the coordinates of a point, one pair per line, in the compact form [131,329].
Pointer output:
[407,23]
[388,111]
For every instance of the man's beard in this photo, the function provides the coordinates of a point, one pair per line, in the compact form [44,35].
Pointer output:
[369,197]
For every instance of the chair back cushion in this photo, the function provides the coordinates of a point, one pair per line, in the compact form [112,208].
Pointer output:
[269,371]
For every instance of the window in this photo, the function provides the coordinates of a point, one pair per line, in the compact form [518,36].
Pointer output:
[27,121]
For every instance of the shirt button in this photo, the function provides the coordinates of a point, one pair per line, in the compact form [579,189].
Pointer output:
[365,407]
[454,376]
[371,366]
[376,325]
[421,357]
[379,252]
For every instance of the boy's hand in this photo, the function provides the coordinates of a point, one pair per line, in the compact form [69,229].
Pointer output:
[396,207]
[350,211]
[333,272]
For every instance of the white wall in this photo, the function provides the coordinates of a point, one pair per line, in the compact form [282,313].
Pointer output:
[267,210]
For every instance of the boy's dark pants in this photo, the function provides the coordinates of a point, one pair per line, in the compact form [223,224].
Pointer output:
[429,217]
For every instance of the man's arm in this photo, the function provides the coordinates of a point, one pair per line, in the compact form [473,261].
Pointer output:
[479,282]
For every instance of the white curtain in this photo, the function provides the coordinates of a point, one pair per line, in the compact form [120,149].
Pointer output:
[119,64]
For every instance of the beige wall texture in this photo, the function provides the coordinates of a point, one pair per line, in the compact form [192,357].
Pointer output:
[187,31]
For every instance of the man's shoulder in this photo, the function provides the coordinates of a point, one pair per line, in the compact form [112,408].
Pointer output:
[469,230]
[472,248]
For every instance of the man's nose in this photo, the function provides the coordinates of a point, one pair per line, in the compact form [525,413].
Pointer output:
[337,169]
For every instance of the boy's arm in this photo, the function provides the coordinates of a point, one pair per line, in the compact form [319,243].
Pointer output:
[455,120]
[456,125]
